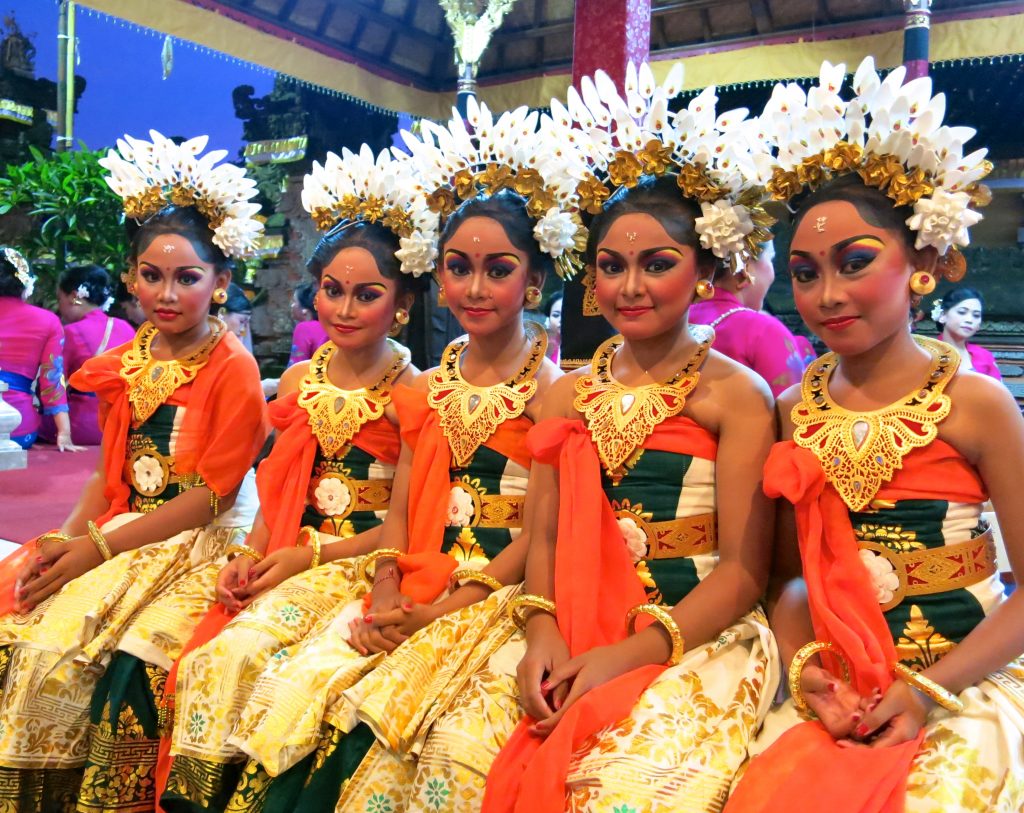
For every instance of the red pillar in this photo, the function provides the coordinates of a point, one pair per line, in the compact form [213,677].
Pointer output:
[608,35]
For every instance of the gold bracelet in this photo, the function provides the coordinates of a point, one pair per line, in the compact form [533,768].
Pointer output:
[99,540]
[663,617]
[242,549]
[796,670]
[470,575]
[313,541]
[518,606]
[372,559]
[52,536]
[928,687]
[214,503]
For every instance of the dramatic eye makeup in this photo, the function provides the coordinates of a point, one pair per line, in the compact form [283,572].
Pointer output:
[654,260]
[856,253]
[662,259]
[370,291]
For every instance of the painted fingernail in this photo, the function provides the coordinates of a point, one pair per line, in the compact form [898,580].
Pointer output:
[558,704]
[368,618]
[39,559]
[406,607]
[861,730]
[545,686]
[43,569]
[857,717]
[244,582]
[832,687]
[873,706]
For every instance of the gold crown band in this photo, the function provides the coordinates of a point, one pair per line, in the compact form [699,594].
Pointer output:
[518,606]
[312,540]
[371,559]
[929,688]
[100,541]
[468,574]
[663,617]
[796,670]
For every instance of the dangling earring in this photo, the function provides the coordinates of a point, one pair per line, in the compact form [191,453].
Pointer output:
[129,279]
[922,283]
[401,320]
[533,296]
[705,289]
[220,295]
[442,300]
[590,307]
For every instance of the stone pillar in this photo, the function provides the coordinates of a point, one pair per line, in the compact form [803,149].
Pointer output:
[608,35]
[12,456]
[916,32]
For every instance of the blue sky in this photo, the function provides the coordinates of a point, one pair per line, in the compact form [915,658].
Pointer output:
[125,91]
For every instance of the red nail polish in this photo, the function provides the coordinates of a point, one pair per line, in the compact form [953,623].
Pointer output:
[39,558]
[545,686]
[243,582]
[368,619]
[832,687]
[558,705]
[857,717]
[861,730]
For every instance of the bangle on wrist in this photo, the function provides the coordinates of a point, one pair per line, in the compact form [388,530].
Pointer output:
[242,549]
[663,617]
[929,688]
[312,540]
[96,535]
[518,606]
[796,670]
[371,559]
[468,574]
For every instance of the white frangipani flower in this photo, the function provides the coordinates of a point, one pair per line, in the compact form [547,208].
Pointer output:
[723,227]
[943,220]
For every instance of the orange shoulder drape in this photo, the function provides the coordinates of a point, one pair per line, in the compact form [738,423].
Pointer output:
[595,586]
[805,769]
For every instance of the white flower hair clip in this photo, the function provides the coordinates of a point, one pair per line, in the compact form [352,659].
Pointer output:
[519,150]
[22,271]
[149,175]
[626,136]
[937,311]
[362,187]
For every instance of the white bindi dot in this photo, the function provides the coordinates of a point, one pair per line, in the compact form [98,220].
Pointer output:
[168,248]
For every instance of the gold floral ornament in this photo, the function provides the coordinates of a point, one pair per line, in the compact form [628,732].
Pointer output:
[519,151]
[150,175]
[625,137]
[360,187]
[891,134]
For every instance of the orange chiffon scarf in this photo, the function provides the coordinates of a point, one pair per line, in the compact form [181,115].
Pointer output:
[595,586]
[805,769]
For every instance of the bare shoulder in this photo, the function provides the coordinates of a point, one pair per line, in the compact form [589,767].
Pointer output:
[732,380]
[419,381]
[558,400]
[292,377]
[547,375]
[981,403]
[408,375]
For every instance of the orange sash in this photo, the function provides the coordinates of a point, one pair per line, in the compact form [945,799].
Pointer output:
[595,586]
[805,769]
[425,570]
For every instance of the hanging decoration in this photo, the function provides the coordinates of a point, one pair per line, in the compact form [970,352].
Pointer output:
[472,22]
[167,56]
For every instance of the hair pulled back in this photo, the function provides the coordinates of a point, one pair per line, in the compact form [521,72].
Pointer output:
[93,278]
[955,296]
[184,221]
[10,285]
[382,244]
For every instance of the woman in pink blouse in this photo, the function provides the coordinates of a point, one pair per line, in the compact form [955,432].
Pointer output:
[83,295]
[309,335]
[958,316]
[31,344]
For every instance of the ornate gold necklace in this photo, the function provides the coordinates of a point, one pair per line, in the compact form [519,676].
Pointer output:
[860,451]
[337,415]
[469,415]
[150,382]
[621,418]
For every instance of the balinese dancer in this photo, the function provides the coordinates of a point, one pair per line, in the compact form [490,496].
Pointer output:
[888,608]
[458,505]
[627,462]
[326,486]
[105,603]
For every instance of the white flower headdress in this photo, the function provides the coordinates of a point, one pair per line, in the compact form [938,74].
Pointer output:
[149,175]
[519,151]
[891,134]
[22,272]
[627,136]
[361,187]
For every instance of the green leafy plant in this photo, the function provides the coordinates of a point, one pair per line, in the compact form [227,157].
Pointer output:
[75,217]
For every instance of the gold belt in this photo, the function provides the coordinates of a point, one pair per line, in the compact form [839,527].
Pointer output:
[492,510]
[938,570]
[371,495]
[677,538]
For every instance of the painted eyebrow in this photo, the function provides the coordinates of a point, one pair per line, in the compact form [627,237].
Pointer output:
[495,256]
[844,243]
[179,268]
[645,253]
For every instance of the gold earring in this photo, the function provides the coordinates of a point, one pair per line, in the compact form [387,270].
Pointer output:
[129,279]
[533,296]
[220,295]
[402,316]
[590,307]
[442,300]
[922,283]
[705,289]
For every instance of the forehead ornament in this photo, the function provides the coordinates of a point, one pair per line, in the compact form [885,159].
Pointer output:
[168,248]
[631,236]
[819,224]
[476,239]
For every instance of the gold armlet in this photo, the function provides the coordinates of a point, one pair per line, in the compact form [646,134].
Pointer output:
[467,574]
[99,540]
[518,606]
[241,549]
[214,503]
[312,540]
[663,617]
[371,559]
[796,670]
[928,687]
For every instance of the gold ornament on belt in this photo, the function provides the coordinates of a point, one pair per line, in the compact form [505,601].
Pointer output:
[149,381]
[337,415]
[861,451]
[621,418]
[468,414]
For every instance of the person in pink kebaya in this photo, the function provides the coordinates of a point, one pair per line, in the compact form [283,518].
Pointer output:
[743,332]
[958,316]
[83,295]
[309,335]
